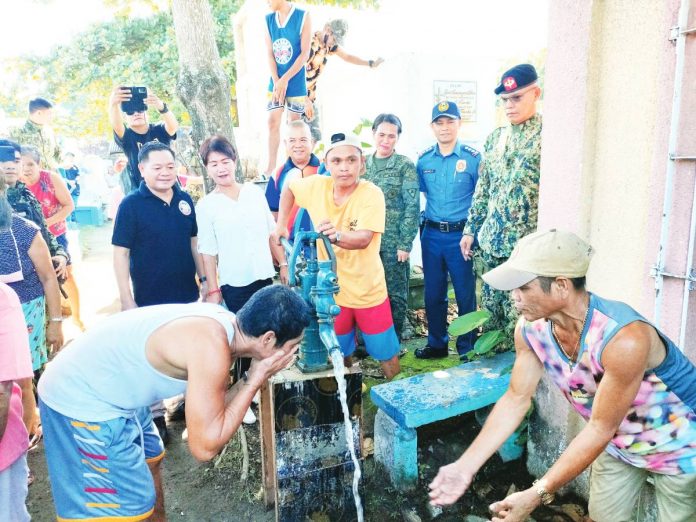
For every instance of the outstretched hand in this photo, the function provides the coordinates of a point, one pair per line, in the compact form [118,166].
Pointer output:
[516,507]
[450,483]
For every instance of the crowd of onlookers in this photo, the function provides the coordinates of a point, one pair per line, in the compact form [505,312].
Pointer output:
[224,246]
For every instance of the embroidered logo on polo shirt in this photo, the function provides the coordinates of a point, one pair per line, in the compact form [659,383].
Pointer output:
[184,208]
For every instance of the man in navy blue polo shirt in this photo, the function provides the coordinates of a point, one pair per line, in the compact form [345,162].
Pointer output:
[155,242]
[154,238]
[447,174]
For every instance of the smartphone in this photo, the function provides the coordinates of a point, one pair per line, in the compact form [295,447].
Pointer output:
[7,154]
[137,101]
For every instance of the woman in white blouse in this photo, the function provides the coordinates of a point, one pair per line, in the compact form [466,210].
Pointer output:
[234,227]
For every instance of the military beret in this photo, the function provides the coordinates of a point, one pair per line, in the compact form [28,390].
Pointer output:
[446,108]
[516,78]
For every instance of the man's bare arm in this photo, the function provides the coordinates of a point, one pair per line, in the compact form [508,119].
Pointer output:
[214,412]
[624,360]
[122,271]
[453,480]
[351,58]
[118,95]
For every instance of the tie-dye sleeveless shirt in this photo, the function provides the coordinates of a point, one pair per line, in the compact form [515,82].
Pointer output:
[659,431]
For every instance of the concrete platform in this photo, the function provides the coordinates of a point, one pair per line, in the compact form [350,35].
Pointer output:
[406,404]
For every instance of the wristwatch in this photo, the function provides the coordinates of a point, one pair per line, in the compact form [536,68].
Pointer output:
[165,109]
[545,496]
[55,320]
[338,237]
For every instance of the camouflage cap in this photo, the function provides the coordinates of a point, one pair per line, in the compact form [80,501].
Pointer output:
[339,28]
[552,253]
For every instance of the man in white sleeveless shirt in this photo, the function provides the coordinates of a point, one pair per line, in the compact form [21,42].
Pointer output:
[102,449]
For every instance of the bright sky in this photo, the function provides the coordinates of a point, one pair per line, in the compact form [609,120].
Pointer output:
[53,21]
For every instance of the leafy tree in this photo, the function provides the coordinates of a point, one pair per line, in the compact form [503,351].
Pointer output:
[127,50]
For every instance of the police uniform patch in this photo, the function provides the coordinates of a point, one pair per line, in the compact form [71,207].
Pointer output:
[443,106]
[184,208]
[461,165]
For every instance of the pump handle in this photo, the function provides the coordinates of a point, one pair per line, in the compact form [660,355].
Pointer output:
[293,251]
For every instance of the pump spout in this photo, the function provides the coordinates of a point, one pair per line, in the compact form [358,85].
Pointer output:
[327,334]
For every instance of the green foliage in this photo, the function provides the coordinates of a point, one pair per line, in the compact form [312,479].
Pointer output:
[468,322]
[486,343]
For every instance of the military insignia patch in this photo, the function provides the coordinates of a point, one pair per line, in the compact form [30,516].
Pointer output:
[510,83]
[184,208]
[461,165]
[443,106]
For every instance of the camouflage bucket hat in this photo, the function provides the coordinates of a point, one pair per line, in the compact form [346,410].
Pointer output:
[339,28]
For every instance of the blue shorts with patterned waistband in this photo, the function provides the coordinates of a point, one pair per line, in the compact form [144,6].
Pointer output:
[99,470]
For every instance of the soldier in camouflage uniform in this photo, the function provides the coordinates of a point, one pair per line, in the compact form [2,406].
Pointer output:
[38,133]
[505,205]
[24,204]
[396,175]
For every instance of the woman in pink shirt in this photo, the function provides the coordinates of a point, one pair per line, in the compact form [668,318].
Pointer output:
[17,407]
[57,204]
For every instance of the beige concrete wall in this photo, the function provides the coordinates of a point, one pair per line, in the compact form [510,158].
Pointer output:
[609,90]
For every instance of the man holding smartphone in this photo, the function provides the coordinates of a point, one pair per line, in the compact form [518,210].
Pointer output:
[136,131]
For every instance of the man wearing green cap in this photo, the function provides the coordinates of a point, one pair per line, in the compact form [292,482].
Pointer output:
[633,386]
[505,204]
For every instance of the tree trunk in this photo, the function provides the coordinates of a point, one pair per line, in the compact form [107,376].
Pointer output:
[202,85]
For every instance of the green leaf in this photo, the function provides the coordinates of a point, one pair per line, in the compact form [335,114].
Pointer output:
[468,322]
[450,294]
[366,145]
[488,341]
[358,129]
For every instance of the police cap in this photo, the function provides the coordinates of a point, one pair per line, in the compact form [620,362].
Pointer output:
[446,108]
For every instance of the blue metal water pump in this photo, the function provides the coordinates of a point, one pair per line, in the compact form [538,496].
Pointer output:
[316,282]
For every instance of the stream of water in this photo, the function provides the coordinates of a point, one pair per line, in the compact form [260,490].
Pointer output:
[339,368]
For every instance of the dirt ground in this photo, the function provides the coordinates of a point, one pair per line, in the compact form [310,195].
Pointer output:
[213,491]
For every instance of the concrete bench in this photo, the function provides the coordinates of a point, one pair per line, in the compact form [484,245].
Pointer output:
[406,404]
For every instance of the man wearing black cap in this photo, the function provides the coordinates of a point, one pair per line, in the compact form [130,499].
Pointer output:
[506,201]
[447,174]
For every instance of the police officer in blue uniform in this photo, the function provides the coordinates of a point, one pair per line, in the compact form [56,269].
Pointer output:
[447,174]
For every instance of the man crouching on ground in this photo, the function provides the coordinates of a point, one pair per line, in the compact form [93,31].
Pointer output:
[103,450]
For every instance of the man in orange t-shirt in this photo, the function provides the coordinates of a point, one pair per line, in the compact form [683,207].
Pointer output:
[351,213]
